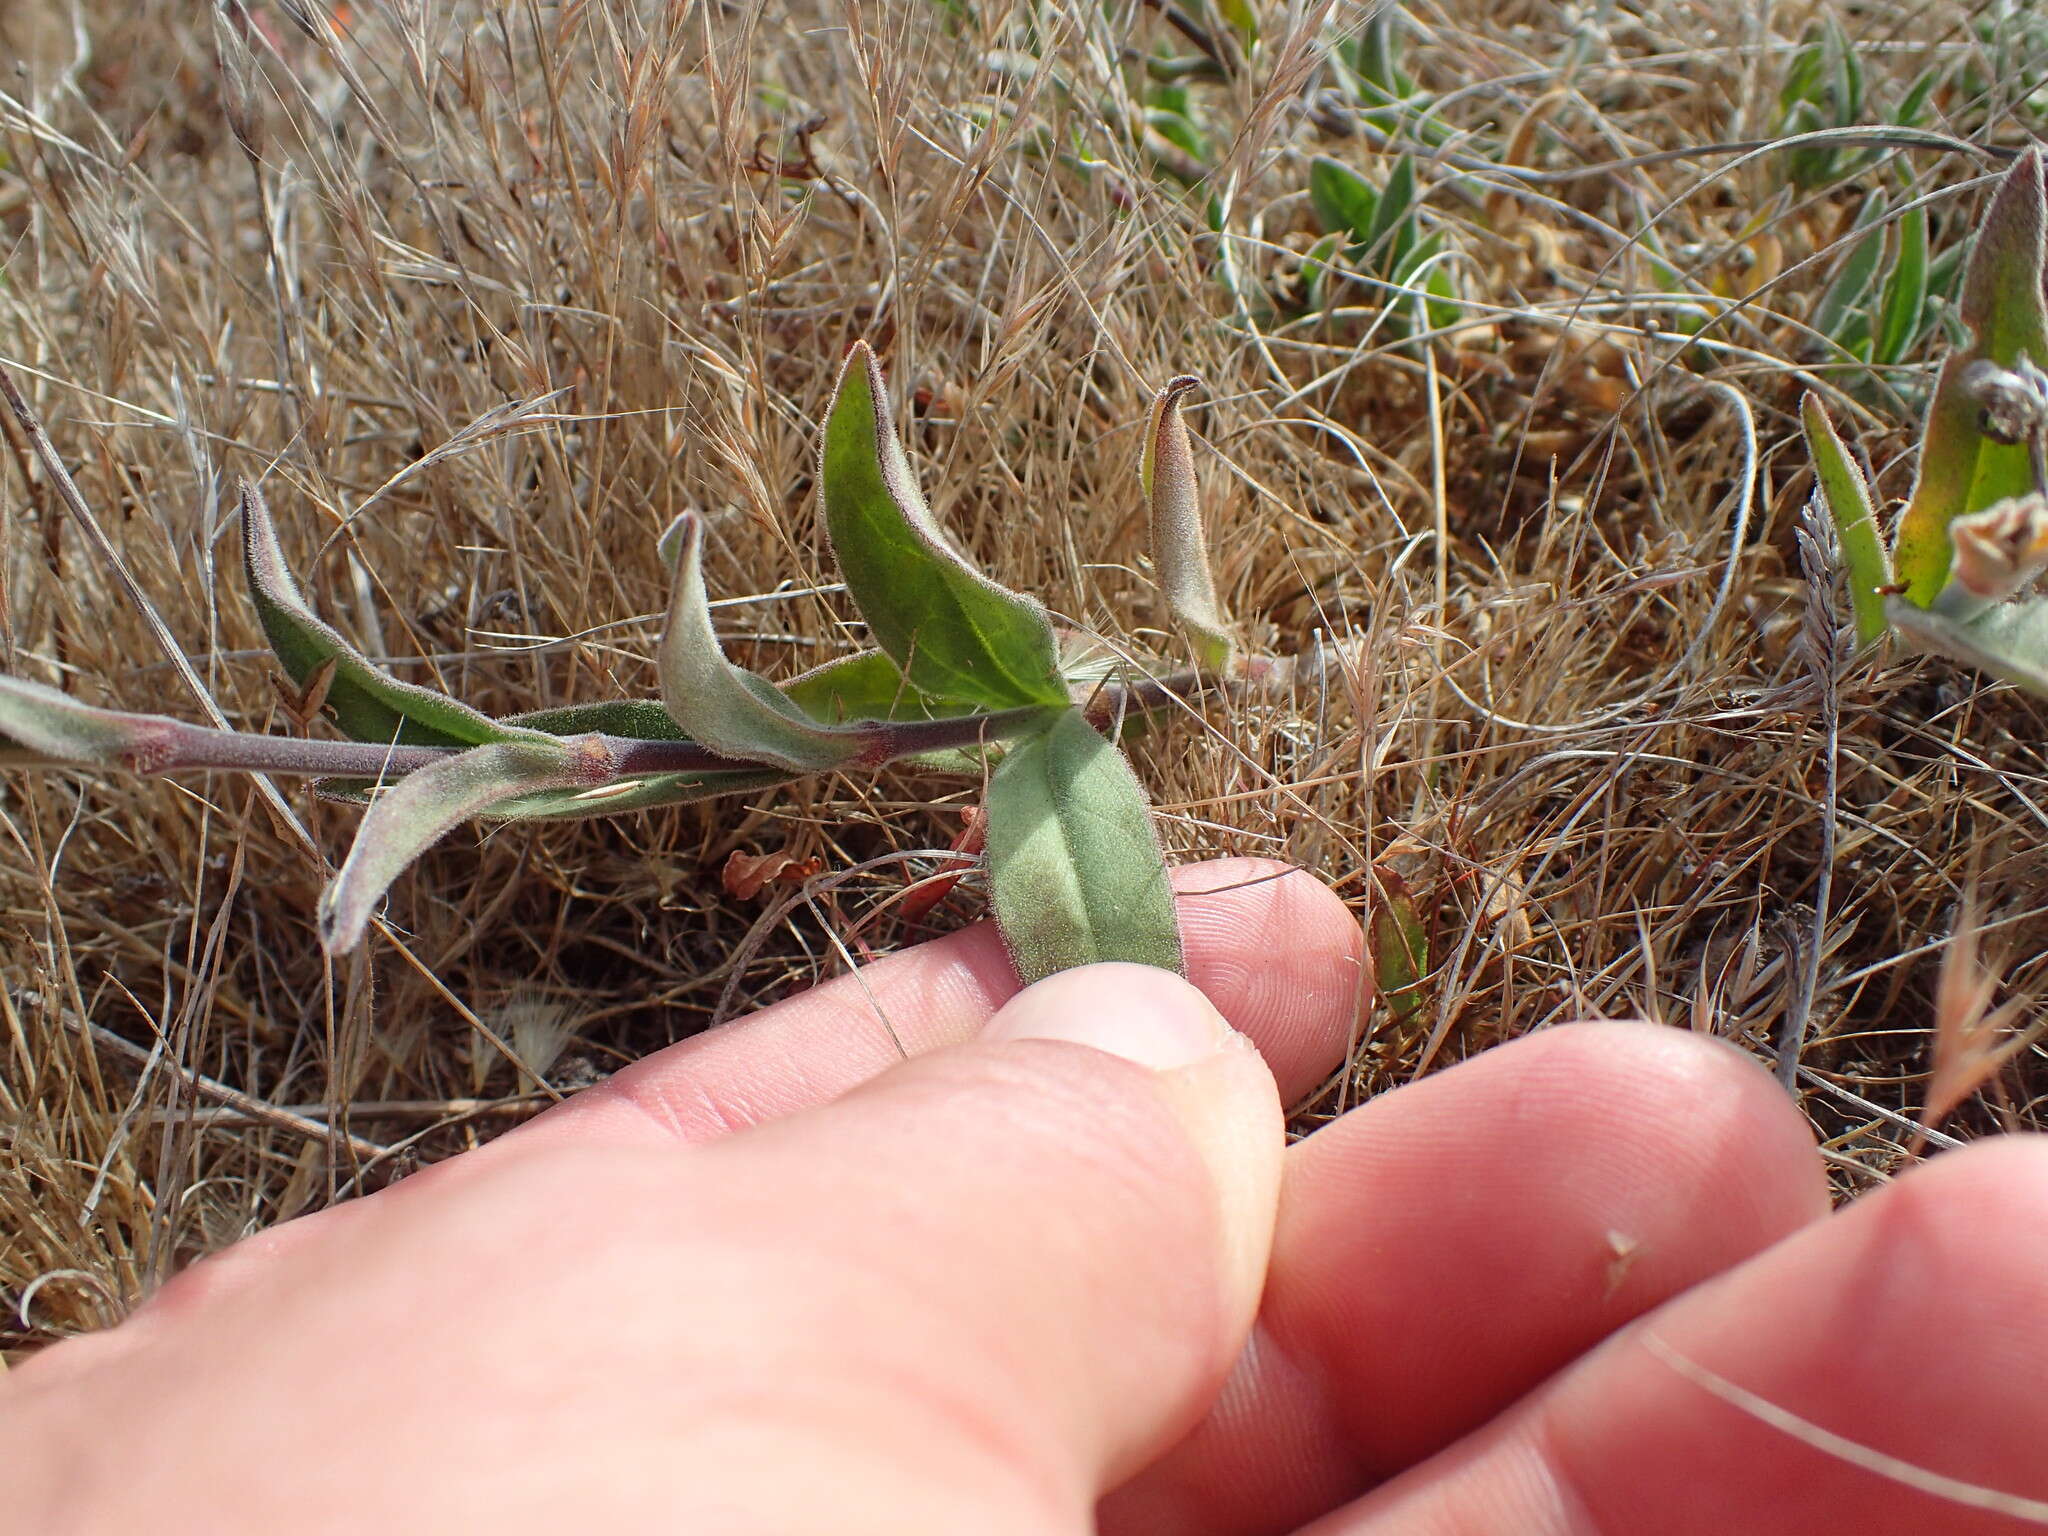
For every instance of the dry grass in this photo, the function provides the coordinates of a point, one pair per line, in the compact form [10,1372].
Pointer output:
[490,292]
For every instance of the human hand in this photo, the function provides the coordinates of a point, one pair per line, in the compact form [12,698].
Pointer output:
[772,1279]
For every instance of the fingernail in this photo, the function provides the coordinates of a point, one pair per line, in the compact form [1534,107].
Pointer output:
[1138,1012]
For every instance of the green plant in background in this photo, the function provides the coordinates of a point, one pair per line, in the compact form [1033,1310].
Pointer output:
[1888,295]
[1386,98]
[1371,235]
[1825,88]
[966,674]
[1973,537]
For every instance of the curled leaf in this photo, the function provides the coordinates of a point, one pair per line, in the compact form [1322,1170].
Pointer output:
[45,727]
[2005,306]
[1842,489]
[419,810]
[953,632]
[725,707]
[1075,871]
[1167,472]
[366,703]
[1400,947]
[745,874]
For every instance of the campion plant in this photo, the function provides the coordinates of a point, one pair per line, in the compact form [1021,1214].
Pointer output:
[967,676]
[1972,540]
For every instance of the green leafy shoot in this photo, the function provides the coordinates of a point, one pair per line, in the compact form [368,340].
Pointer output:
[368,705]
[1179,549]
[954,633]
[1386,247]
[725,707]
[412,815]
[1075,870]
[1839,483]
[2005,308]
[1400,948]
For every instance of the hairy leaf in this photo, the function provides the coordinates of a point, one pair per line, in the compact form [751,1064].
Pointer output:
[1167,472]
[1075,871]
[2005,306]
[366,703]
[634,792]
[954,633]
[726,707]
[45,727]
[419,810]
[1838,480]
[865,686]
[641,718]
[2010,641]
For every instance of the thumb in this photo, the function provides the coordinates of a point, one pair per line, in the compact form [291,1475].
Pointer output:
[1025,1264]
[970,1295]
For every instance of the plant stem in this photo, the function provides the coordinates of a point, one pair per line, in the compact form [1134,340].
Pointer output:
[175,746]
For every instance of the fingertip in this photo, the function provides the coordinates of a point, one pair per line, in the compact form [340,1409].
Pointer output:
[1281,955]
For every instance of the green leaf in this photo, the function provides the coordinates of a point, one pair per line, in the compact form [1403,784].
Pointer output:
[46,727]
[638,792]
[2009,641]
[1344,201]
[1075,871]
[865,686]
[2005,308]
[1902,317]
[367,704]
[956,634]
[1838,480]
[1392,233]
[419,810]
[1858,268]
[1400,948]
[641,718]
[725,707]
[1179,551]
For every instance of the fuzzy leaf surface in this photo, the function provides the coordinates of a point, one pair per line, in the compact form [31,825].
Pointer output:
[46,727]
[2005,307]
[1840,485]
[954,633]
[368,705]
[726,707]
[2009,641]
[1075,870]
[865,686]
[423,807]
[1179,550]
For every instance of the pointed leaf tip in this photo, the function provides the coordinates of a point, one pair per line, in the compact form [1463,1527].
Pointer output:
[952,631]
[1166,471]
[725,707]
[1839,483]
[366,703]
[412,815]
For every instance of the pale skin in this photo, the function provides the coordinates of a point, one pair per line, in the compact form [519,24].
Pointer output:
[1057,1273]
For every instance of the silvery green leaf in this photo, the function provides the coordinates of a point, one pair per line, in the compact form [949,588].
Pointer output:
[2009,641]
[1179,550]
[1075,870]
[46,727]
[953,632]
[410,816]
[366,703]
[725,707]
